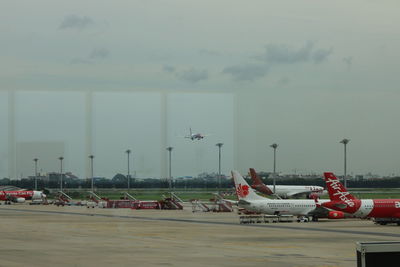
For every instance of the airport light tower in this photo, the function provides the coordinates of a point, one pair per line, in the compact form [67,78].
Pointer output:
[345,141]
[128,152]
[274,146]
[91,157]
[35,160]
[61,173]
[219,145]
[169,171]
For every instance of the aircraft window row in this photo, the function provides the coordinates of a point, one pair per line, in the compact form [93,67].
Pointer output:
[304,205]
[279,205]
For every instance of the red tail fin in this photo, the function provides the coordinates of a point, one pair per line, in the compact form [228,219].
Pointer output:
[336,190]
[256,179]
[258,183]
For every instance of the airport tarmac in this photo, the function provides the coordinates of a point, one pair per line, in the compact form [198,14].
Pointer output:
[78,236]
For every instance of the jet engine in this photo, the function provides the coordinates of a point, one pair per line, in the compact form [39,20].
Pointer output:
[19,200]
[335,215]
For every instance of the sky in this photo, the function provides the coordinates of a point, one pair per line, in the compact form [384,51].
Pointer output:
[303,74]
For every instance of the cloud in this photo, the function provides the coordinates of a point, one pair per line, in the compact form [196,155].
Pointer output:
[283,81]
[348,61]
[75,22]
[99,53]
[206,52]
[168,68]
[321,55]
[248,72]
[193,75]
[96,55]
[81,61]
[284,54]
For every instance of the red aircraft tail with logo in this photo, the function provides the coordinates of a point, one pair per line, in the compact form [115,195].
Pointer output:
[336,190]
[258,183]
[243,190]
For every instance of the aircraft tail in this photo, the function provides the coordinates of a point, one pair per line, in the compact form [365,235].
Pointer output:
[336,190]
[243,190]
[258,183]
[256,179]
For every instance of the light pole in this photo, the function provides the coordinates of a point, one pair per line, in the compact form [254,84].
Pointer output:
[61,173]
[91,171]
[170,171]
[345,141]
[274,146]
[219,145]
[35,160]
[129,176]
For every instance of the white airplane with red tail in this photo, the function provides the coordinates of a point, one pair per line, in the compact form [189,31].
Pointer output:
[386,210]
[286,191]
[250,201]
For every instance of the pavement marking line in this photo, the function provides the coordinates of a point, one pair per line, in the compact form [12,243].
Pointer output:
[353,232]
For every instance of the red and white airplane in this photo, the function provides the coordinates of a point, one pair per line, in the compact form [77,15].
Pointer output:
[196,136]
[286,191]
[342,200]
[21,196]
[250,201]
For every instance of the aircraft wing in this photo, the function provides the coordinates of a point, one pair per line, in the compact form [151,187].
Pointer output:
[319,211]
[299,194]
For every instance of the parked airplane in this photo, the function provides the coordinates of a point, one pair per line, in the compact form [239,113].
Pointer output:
[250,201]
[285,191]
[342,200]
[20,196]
[193,136]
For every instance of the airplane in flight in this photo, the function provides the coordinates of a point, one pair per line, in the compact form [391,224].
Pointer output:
[250,201]
[383,210]
[195,136]
[285,191]
[20,196]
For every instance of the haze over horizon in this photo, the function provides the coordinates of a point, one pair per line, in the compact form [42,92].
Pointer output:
[303,74]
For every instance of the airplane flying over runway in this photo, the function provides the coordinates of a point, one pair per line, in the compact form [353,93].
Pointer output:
[195,136]
[250,201]
[285,191]
[342,200]
[21,196]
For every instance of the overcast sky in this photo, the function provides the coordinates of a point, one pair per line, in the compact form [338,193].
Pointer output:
[304,74]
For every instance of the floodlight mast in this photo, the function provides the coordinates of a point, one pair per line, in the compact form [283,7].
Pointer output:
[61,173]
[128,152]
[170,170]
[274,146]
[219,145]
[345,141]
[91,170]
[35,160]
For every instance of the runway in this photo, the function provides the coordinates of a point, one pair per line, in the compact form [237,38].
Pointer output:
[78,236]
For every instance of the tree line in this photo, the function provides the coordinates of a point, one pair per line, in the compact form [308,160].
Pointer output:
[210,181]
